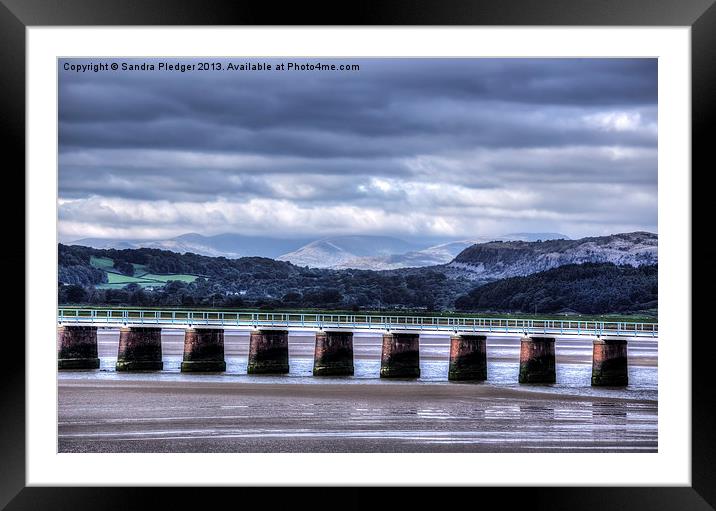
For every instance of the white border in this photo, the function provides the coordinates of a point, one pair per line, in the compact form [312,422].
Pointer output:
[670,466]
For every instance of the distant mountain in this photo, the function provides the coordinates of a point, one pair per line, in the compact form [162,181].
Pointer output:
[104,243]
[436,254]
[337,251]
[503,259]
[222,245]
[431,256]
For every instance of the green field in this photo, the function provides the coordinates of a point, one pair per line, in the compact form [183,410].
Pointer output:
[141,277]
[118,278]
[140,269]
[103,263]
[166,278]
[118,281]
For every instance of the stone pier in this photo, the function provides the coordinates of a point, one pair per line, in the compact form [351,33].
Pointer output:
[268,352]
[401,356]
[140,349]
[609,362]
[203,350]
[77,347]
[468,357]
[537,360]
[334,354]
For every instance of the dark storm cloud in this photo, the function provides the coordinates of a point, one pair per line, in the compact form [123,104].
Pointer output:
[470,101]
[358,139]
[447,128]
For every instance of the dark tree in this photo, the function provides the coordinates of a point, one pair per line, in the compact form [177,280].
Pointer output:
[75,294]
[587,288]
[124,267]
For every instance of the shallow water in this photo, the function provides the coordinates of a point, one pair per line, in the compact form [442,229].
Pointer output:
[573,375]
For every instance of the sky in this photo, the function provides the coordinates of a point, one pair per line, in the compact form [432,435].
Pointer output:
[413,148]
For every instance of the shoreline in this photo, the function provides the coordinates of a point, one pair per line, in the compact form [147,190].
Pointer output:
[389,390]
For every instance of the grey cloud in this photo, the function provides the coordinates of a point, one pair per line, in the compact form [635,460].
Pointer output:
[384,98]
[545,126]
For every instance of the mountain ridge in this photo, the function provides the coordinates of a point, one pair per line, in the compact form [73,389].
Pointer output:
[318,255]
[338,252]
[227,245]
[499,260]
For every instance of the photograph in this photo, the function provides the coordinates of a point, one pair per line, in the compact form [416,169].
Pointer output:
[357,255]
[344,250]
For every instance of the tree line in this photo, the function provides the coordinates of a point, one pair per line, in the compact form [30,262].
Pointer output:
[589,288]
[253,281]
[266,283]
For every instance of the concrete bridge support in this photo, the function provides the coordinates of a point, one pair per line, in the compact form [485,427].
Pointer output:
[468,357]
[609,362]
[140,349]
[268,352]
[203,350]
[401,356]
[537,363]
[334,354]
[78,347]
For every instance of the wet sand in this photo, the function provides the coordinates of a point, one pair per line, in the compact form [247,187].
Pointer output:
[149,416]
[103,411]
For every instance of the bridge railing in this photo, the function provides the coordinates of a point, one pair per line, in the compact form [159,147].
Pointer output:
[355,321]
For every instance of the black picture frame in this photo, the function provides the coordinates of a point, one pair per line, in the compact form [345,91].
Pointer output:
[700,15]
